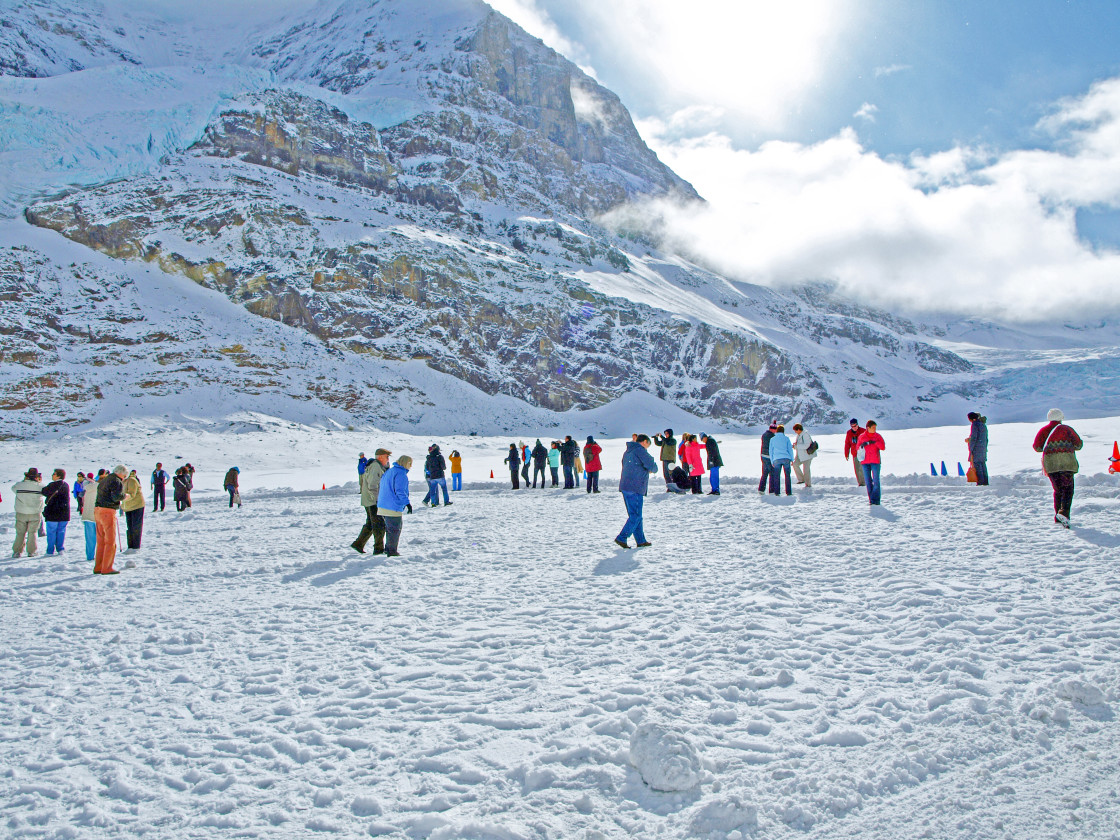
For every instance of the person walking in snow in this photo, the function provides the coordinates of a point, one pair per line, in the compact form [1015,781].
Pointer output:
[435,468]
[591,452]
[668,453]
[456,469]
[110,494]
[180,489]
[29,512]
[977,441]
[514,461]
[89,518]
[569,449]
[230,483]
[159,488]
[56,511]
[392,502]
[637,466]
[554,462]
[868,449]
[540,459]
[805,450]
[715,461]
[767,480]
[369,485]
[133,507]
[691,456]
[851,444]
[781,457]
[1058,442]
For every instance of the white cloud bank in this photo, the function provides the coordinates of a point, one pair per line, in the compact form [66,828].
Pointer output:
[963,231]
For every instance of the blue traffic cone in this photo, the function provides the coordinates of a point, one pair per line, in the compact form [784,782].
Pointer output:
[932,469]
[960,469]
[943,470]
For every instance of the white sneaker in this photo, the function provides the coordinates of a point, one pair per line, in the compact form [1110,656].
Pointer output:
[1062,520]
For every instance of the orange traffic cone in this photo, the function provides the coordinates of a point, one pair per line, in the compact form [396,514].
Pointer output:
[324,486]
[491,473]
[1114,466]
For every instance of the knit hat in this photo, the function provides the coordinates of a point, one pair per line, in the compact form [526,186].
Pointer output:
[774,425]
[972,415]
[1055,415]
[853,422]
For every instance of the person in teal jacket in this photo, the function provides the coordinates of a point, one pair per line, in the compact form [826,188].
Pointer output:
[554,462]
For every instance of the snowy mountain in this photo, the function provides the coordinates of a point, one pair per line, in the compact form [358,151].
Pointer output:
[396,206]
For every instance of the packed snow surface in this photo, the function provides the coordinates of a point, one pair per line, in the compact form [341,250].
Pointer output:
[945,666]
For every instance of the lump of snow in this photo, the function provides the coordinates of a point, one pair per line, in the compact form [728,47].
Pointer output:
[666,760]
[1080,692]
[723,816]
[840,738]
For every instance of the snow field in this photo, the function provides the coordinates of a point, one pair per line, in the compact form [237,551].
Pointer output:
[794,667]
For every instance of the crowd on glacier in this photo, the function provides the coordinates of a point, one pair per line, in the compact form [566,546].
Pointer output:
[45,510]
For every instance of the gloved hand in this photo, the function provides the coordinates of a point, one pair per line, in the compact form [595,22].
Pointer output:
[409,508]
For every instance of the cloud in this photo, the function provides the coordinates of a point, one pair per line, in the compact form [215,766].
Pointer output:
[533,19]
[967,231]
[890,70]
[866,111]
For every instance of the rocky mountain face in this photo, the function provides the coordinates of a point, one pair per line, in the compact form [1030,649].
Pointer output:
[424,184]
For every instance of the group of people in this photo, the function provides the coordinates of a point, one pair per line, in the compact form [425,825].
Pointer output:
[560,455]
[692,452]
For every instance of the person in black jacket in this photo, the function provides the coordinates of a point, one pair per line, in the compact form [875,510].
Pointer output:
[978,446]
[110,494]
[568,452]
[514,461]
[540,459]
[435,467]
[767,436]
[181,488]
[56,511]
[714,462]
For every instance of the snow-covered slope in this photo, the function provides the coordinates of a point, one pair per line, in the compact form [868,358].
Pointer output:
[419,184]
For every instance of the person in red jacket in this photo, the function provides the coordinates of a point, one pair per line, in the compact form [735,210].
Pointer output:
[591,464]
[868,447]
[1058,442]
[851,441]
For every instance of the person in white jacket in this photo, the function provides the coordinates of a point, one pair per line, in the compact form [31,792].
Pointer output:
[802,463]
[29,512]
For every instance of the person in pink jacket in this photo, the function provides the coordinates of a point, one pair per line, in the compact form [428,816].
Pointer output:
[691,456]
[868,447]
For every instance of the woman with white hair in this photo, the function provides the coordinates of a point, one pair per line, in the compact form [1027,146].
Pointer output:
[1057,442]
[110,494]
[392,502]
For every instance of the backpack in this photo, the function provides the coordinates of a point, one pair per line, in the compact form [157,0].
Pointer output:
[812,448]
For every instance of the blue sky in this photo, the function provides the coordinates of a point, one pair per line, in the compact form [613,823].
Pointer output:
[927,154]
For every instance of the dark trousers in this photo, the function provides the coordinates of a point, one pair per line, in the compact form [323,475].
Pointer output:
[666,468]
[525,473]
[513,479]
[569,478]
[538,468]
[134,525]
[393,525]
[555,476]
[375,527]
[762,482]
[1063,492]
[159,498]
[181,504]
[232,492]
[593,482]
[981,468]
[697,487]
[776,470]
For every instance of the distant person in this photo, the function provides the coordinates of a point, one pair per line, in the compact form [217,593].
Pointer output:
[370,487]
[230,482]
[781,458]
[159,488]
[1058,442]
[805,450]
[456,469]
[715,461]
[56,511]
[554,462]
[392,502]
[190,482]
[29,512]
[181,489]
[637,466]
[89,518]
[568,450]
[110,494]
[435,467]
[363,462]
[577,466]
[540,460]
[79,490]
[514,460]
[851,444]
[133,507]
[523,450]
[767,480]
[977,441]
[869,450]
[591,453]
[668,453]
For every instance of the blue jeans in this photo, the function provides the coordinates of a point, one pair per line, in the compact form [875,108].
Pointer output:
[456,481]
[633,526]
[56,536]
[776,469]
[433,490]
[91,538]
[713,478]
[569,477]
[871,479]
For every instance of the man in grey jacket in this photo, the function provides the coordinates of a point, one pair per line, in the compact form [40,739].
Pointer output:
[370,484]
[29,511]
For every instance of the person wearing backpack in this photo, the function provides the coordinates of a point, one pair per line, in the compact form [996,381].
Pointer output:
[868,449]
[805,450]
[1058,442]
[591,452]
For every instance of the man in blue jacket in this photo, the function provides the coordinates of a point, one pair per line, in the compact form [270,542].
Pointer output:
[637,466]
